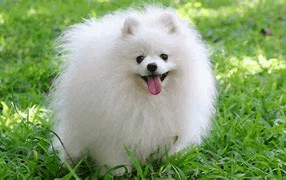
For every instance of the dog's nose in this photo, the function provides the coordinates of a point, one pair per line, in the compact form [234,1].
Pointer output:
[152,67]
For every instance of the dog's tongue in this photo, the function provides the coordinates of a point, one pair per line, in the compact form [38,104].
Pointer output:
[154,85]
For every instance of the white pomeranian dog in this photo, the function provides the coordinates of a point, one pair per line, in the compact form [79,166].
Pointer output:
[141,79]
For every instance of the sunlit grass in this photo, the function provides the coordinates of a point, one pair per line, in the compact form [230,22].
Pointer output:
[248,138]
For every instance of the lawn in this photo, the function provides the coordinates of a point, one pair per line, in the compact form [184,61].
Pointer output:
[248,138]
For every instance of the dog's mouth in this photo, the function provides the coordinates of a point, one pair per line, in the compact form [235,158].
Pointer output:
[154,82]
[154,76]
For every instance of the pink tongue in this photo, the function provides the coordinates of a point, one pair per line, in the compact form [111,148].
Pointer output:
[154,85]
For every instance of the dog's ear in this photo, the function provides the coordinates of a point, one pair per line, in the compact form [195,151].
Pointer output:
[129,27]
[168,22]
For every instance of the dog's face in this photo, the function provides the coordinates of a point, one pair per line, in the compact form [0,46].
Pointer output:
[153,71]
[151,51]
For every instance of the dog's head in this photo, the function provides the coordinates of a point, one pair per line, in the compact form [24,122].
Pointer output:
[152,49]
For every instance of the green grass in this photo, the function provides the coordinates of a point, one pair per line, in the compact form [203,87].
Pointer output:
[248,139]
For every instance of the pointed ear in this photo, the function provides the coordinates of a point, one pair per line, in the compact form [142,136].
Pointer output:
[129,27]
[169,22]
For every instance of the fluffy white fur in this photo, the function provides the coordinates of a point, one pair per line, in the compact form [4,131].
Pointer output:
[101,102]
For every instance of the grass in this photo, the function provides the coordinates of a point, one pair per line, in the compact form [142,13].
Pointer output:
[248,139]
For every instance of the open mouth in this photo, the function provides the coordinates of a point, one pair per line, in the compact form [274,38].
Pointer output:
[154,82]
[154,76]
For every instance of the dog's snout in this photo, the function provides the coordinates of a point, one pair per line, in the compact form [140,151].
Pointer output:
[152,67]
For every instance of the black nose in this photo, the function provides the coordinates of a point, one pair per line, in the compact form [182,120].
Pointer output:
[152,67]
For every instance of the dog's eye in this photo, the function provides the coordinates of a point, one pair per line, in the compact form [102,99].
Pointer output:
[139,59]
[164,57]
